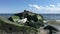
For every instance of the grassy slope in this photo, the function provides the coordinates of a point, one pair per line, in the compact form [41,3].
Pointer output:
[6,21]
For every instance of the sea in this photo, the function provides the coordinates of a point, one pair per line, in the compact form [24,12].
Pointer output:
[46,16]
[51,16]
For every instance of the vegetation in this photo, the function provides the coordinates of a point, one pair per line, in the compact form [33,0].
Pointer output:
[34,21]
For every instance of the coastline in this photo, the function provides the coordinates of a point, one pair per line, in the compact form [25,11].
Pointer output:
[53,22]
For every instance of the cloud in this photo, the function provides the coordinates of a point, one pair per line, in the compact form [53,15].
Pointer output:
[35,6]
[50,7]
[53,7]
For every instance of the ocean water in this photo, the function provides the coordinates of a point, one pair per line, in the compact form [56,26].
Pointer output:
[51,16]
[46,16]
[6,15]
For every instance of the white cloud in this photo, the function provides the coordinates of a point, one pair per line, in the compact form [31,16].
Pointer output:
[50,7]
[35,6]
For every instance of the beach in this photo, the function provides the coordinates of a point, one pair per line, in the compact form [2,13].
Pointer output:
[54,23]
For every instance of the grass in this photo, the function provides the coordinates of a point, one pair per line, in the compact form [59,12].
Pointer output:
[6,21]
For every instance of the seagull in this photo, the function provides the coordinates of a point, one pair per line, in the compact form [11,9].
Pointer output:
[22,20]
[45,21]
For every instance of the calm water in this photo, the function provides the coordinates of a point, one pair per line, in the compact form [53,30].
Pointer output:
[46,16]
[51,16]
[6,15]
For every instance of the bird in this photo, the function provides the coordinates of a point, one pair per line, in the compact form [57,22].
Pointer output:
[45,21]
[22,20]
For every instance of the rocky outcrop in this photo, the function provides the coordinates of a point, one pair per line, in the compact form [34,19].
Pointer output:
[10,25]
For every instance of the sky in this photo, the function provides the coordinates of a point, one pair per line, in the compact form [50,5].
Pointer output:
[36,6]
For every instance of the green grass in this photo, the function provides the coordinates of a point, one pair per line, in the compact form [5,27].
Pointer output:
[6,21]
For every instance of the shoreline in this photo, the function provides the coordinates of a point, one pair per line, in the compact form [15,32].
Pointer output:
[53,22]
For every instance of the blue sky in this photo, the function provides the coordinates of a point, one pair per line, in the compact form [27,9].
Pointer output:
[36,6]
